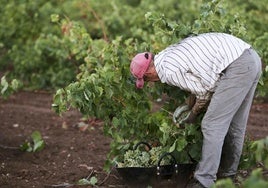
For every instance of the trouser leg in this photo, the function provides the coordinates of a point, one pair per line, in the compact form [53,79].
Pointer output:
[233,143]
[232,90]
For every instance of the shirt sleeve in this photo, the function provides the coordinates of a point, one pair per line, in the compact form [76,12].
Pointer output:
[194,85]
[188,82]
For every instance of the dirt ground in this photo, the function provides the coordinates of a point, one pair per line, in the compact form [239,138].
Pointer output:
[70,153]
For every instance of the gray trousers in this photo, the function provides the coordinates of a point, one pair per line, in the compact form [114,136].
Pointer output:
[224,123]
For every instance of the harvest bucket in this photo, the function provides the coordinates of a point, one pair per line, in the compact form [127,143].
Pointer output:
[178,173]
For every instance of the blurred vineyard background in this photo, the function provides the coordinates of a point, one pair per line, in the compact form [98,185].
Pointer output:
[80,50]
[46,55]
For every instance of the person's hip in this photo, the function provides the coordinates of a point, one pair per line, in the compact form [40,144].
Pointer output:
[248,64]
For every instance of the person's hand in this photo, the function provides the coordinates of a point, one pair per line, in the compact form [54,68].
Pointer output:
[183,115]
[190,118]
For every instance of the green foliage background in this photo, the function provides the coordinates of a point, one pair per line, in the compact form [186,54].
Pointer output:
[32,48]
[83,48]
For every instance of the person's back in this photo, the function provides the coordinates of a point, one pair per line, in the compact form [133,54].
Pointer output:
[199,59]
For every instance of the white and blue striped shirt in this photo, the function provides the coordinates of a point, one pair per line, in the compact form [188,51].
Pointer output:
[196,62]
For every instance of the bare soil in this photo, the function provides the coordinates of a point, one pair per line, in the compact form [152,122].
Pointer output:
[71,152]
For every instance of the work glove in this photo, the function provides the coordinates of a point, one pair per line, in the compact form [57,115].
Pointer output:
[183,115]
[190,118]
[187,113]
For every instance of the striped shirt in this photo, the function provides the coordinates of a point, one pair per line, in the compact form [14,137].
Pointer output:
[195,64]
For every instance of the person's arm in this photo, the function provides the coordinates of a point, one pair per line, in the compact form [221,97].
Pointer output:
[200,105]
[190,101]
[197,105]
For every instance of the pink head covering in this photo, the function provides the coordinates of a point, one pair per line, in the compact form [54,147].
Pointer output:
[139,65]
